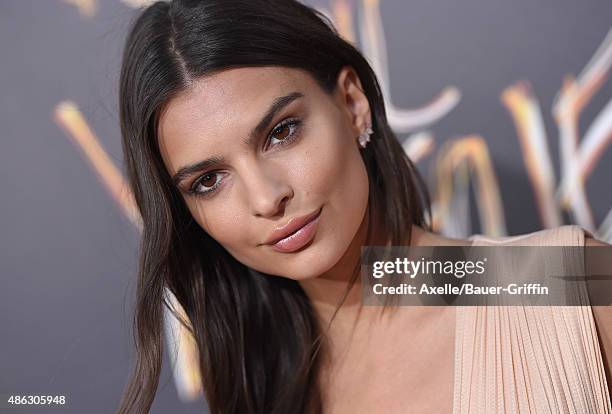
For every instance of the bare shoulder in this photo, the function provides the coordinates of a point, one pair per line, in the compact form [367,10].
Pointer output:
[603,320]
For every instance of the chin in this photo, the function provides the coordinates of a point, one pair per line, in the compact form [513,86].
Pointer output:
[300,268]
[311,262]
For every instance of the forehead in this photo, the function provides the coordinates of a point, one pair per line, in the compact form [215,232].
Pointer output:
[222,107]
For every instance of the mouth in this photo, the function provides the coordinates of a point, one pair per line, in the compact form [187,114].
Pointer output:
[299,237]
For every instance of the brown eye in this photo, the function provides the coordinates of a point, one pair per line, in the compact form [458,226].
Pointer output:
[285,132]
[206,184]
[208,180]
[280,135]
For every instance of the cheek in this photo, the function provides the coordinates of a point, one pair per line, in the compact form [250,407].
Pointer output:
[225,225]
[332,171]
[330,164]
[338,173]
[229,229]
[349,196]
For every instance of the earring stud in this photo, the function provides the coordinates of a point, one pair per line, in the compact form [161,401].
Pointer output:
[364,137]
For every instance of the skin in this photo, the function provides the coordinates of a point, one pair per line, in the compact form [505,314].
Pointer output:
[263,184]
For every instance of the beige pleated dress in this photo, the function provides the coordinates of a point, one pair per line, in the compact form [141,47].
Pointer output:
[529,359]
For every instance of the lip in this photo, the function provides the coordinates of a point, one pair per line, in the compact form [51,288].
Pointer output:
[296,233]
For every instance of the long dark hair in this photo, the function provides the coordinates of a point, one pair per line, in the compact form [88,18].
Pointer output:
[258,338]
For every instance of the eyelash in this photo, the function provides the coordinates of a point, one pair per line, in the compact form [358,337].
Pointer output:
[296,123]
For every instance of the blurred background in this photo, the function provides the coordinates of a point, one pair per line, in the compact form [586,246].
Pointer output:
[505,107]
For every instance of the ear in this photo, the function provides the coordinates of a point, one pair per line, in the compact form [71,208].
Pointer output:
[352,100]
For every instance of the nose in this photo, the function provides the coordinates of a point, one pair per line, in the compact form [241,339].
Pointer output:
[267,190]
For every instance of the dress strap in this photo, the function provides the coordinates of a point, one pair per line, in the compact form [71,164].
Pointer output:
[529,359]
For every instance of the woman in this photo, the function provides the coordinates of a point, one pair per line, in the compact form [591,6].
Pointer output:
[261,160]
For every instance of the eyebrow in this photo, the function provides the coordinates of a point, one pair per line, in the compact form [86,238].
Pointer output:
[277,105]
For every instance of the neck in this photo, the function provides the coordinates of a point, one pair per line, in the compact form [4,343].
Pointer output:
[331,293]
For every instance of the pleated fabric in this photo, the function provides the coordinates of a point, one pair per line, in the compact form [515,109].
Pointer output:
[530,359]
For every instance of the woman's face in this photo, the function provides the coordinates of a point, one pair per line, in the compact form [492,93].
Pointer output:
[268,146]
